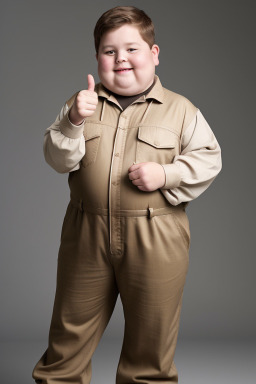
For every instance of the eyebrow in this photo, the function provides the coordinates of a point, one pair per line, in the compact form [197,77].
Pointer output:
[110,46]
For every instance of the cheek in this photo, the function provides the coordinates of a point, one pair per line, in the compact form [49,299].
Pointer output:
[142,62]
[105,64]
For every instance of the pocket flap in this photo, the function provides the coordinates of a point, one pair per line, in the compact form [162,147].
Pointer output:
[92,130]
[158,137]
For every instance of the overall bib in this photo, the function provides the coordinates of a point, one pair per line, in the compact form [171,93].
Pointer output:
[117,239]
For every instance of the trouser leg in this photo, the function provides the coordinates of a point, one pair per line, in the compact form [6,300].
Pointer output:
[151,277]
[86,294]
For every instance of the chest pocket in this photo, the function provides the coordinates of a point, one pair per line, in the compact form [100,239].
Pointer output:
[156,144]
[92,135]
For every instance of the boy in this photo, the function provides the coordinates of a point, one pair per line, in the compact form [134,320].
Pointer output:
[136,154]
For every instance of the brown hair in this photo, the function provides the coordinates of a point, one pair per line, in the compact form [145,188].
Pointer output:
[118,16]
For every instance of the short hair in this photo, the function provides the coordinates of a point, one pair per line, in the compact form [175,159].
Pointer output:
[118,16]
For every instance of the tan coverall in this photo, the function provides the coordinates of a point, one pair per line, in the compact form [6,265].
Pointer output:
[118,239]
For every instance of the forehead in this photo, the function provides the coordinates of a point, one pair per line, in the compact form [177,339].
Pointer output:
[126,34]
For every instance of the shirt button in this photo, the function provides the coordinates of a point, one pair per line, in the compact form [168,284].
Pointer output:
[117,154]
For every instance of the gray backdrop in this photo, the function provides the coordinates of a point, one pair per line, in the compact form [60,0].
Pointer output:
[208,55]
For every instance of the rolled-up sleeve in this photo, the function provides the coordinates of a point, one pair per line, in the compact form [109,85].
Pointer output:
[64,144]
[197,165]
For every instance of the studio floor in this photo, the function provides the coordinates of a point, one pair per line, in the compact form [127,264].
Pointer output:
[198,362]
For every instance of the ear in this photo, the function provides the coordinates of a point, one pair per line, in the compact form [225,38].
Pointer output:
[155,52]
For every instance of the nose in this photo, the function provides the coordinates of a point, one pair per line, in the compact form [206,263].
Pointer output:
[120,57]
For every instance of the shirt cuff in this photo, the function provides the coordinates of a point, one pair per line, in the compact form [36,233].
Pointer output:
[172,176]
[70,130]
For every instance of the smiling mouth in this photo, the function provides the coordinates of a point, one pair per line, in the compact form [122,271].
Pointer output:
[123,70]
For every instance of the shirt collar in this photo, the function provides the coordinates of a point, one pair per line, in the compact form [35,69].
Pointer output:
[156,92]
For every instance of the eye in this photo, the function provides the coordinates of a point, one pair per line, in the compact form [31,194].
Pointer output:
[109,52]
[132,49]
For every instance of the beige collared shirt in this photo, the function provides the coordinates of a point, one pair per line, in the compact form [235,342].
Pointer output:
[190,173]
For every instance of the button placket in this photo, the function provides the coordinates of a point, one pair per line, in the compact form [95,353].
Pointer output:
[114,187]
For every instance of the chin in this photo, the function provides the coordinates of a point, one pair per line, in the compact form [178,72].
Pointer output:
[124,91]
[121,90]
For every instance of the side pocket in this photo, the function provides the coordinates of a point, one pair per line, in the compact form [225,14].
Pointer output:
[182,224]
[65,220]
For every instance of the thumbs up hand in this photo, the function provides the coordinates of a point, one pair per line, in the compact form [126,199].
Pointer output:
[85,103]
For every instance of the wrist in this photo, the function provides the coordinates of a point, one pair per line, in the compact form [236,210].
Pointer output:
[70,130]
[73,118]
[172,176]
[163,178]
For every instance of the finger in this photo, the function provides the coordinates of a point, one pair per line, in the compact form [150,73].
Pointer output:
[89,99]
[134,167]
[137,182]
[142,188]
[91,83]
[90,107]
[134,175]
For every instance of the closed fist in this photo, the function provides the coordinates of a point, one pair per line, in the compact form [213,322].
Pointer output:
[148,176]
[85,103]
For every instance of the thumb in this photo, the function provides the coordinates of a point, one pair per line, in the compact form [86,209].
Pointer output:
[91,83]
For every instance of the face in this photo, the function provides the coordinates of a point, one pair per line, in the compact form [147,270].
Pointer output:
[126,63]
